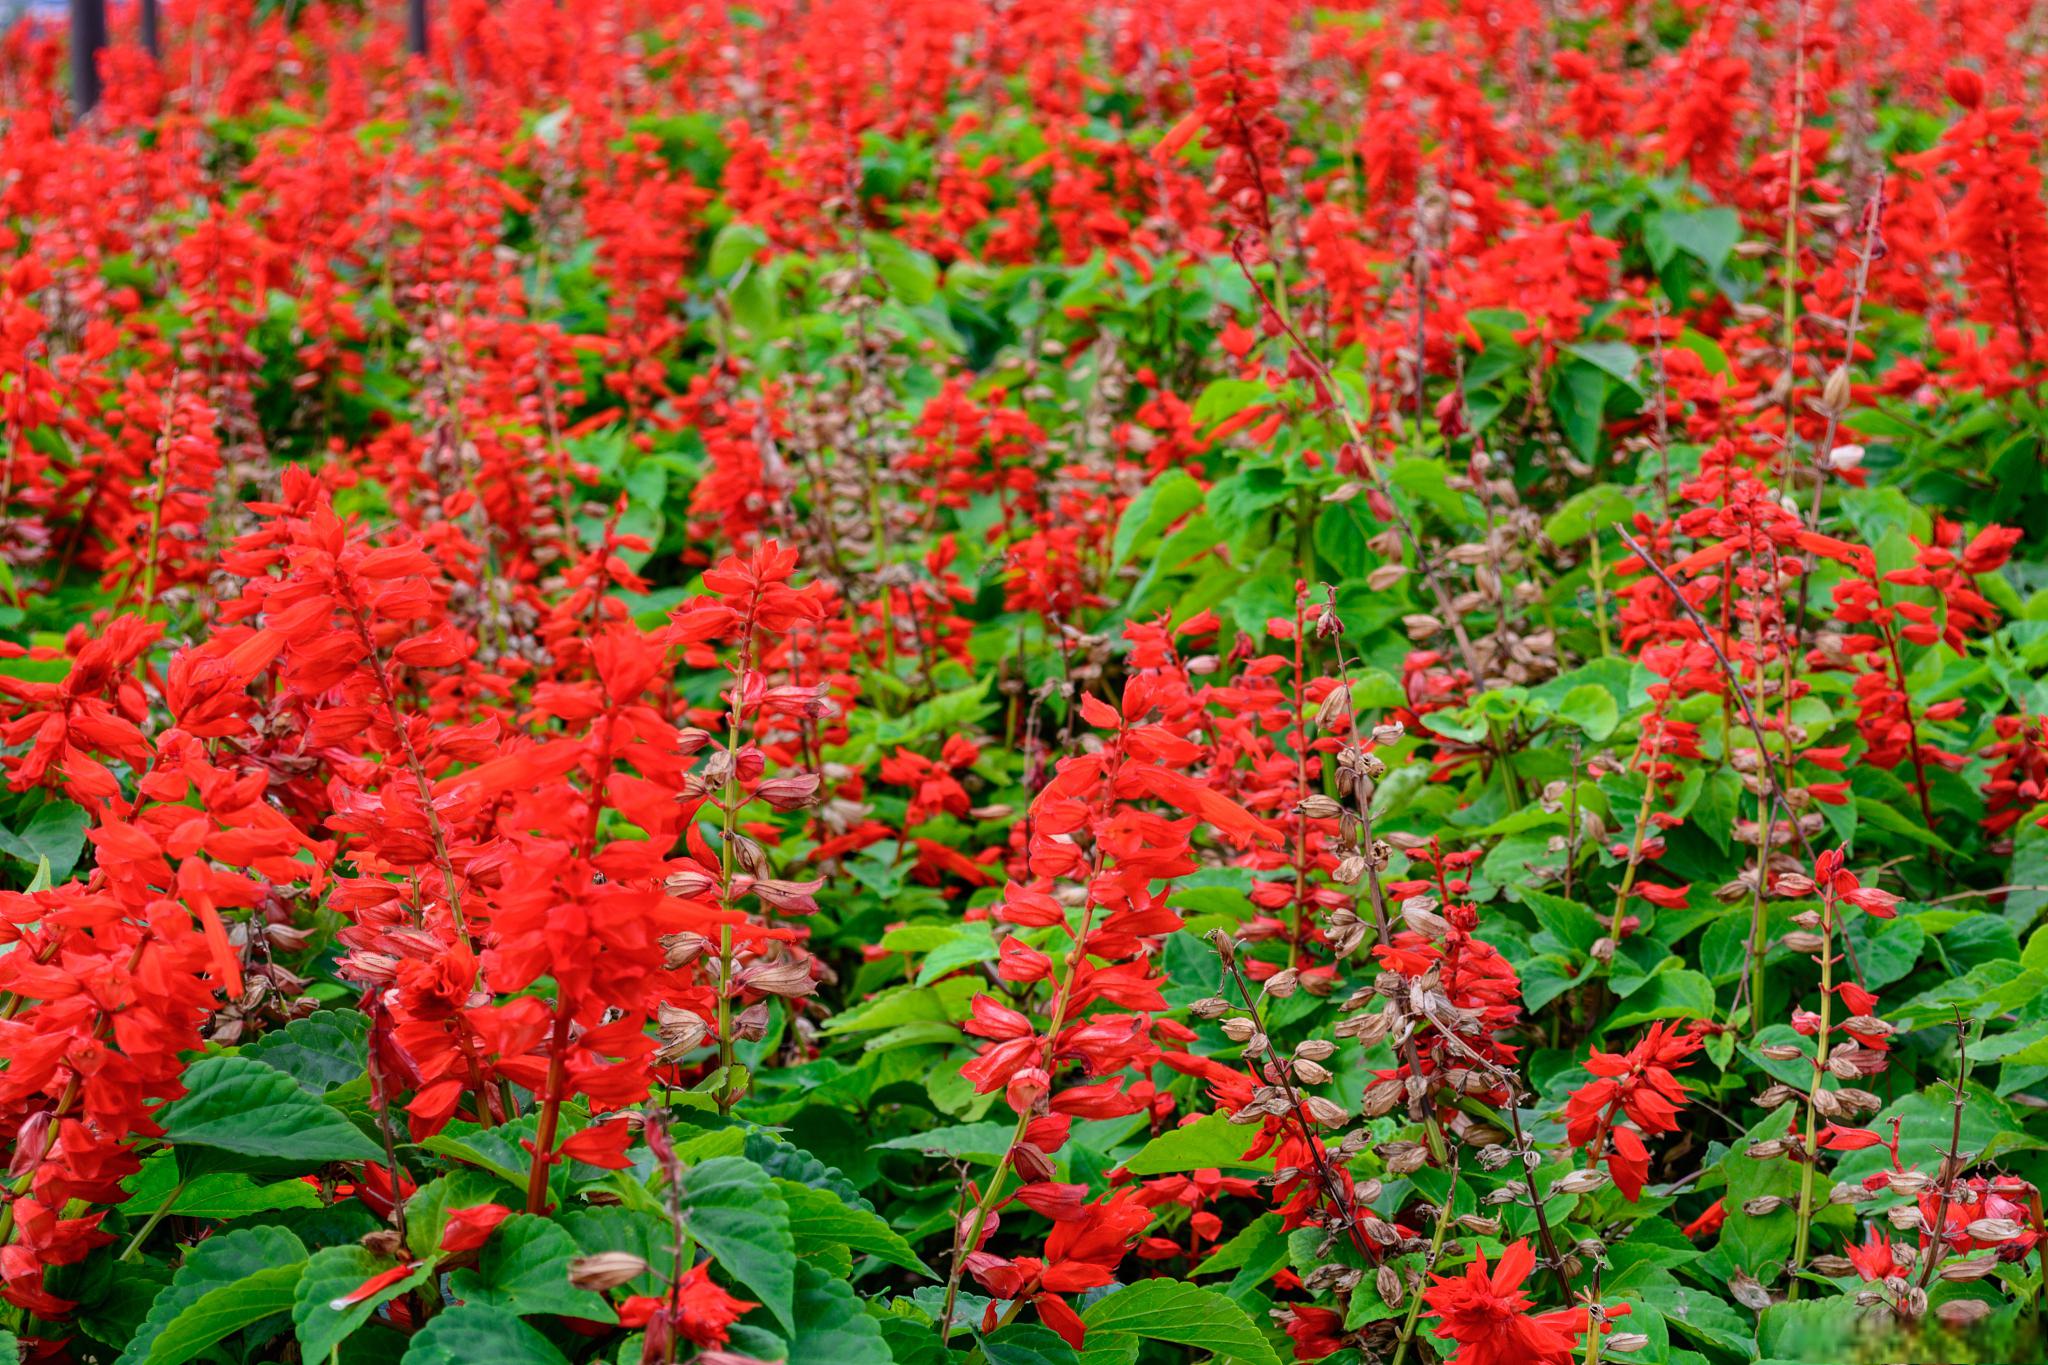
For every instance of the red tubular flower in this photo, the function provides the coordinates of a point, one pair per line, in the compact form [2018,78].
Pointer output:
[1316,1332]
[1487,1314]
[470,1228]
[1081,1253]
[1639,1086]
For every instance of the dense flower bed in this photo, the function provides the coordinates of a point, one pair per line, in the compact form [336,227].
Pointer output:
[1003,682]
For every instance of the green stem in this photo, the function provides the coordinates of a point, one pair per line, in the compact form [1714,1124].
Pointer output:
[1436,1246]
[1820,1062]
[142,1234]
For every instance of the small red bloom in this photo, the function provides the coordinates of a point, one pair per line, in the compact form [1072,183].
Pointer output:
[1488,1315]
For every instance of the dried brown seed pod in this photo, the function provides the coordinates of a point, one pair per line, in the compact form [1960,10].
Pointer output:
[1994,1229]
[1975,1268]
[605,1270]
[1748,1292]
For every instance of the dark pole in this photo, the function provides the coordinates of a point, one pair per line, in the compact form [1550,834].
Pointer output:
[415,27]
[88,36]
[152,42]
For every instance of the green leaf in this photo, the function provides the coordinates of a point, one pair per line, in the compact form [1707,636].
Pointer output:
[1343,535]
[496,1150]
[973,1141]
[325,1049]
[1592,709]
[1578,398]
[1707,235]
[820,1218]
[1167,1310]
[1586,512]
[1616,358]
[1926,1126]
[738,1215]
[2029,872]
[55,832]
[1894,821]
[1212,1140]
[1027,1343]
[912,275]
[333,1273]
[229,1194]
[470,1334]
[622,1229]
[832,1325]
[735,245]
[1756,1243]
[525,1269]
[237,1104]
[1224,398]
[1570,923]
[227,1283]
[1158,505]
[1679,994]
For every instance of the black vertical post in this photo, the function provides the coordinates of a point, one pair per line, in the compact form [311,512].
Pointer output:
[416,27]
[152,38]
[88,36]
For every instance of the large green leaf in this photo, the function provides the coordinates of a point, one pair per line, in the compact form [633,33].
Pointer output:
[832,1325]
[1027,1343]
[236,1104]
[1210,1141]
[1158,505]
[334,1273]
[738,1215]
[1927,1126]
[471,1334]
[227,1283]
[617,1228]
[1677,994]
[986,1141]
[820,1218]
[322,1050]
[216,1194]
[1759,1243]
[525,1269]
[56,833]
[1167,1310]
